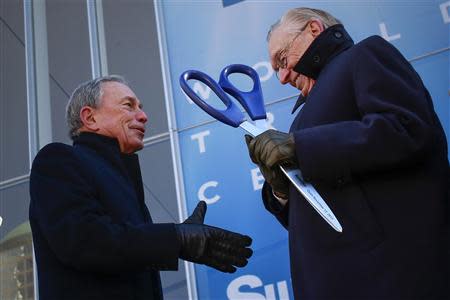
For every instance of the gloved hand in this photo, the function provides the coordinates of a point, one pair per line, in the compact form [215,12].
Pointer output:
[272,148]
[198,215]
[269,150]
[215,247]
[277,180]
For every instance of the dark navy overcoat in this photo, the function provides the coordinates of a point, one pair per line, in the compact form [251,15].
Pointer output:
[369,140]
[93,235]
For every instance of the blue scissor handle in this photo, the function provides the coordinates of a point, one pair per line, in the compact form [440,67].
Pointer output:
[252,101]
[231,115]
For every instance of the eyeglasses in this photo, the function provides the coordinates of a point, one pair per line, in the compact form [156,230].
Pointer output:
[281,60]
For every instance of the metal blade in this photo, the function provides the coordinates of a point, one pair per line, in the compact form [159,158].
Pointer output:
[312,196]
[262,123]
[252,129]
[306,189]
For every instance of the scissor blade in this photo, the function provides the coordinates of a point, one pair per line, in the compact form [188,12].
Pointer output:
[262,123]
[312,196]
[251,128]
[306,189]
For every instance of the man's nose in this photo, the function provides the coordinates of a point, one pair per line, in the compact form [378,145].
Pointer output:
[141,116]
[283,75]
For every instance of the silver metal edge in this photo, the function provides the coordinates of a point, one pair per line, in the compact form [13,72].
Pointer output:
[93,38]
[315,203]
[14,181]
[38,87]
[31,104]
[31,80]
[174,143]
[102,54]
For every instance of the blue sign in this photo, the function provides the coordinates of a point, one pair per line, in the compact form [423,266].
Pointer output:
[209,35]
[230,2]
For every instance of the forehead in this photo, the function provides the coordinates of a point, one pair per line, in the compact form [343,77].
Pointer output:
[277,41]
[115,91]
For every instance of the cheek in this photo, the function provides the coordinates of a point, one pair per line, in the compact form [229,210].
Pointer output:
[125,120]
[125,125]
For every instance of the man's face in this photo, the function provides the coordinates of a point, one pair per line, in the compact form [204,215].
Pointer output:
[120,115]
[286,49]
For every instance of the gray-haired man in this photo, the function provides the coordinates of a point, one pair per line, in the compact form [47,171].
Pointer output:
[92,232]
[369,140]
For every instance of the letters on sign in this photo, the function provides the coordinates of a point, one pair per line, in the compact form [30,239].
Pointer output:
[200,137]
[259,290]
[202,190]
[445,11]
[267,68]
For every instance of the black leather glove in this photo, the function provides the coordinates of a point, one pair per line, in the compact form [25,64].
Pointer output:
[277,180]
[272,148]
[269,150]
[198,215]
[215,247]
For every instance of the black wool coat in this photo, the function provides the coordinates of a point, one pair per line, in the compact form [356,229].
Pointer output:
[369,140]
[92,232]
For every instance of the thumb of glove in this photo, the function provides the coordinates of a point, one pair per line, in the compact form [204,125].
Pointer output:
[248,139]
[198,215]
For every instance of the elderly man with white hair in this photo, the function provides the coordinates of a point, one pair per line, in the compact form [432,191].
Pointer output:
[368,139]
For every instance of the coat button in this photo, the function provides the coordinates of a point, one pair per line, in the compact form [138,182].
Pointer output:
[337,34]
[316,59]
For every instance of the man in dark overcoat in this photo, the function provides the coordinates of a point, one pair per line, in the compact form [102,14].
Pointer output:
[93,235]
[368,139]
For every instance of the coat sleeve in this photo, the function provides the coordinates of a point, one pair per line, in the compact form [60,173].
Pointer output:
[77,228]
[274,207]
[396,128]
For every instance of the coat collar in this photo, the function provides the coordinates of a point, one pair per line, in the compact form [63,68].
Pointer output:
[104,145]
[300,100]
[331,42]
[109,149]
[322,50]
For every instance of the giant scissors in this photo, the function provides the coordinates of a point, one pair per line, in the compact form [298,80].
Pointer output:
[253,104]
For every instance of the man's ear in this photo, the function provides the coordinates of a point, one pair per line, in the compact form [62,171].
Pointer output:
[87,116]
[316,27]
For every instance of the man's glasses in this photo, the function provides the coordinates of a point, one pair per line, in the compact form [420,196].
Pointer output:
[281,60]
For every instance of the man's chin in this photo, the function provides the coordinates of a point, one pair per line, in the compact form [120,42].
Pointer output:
[133,147]
[139,146]
[306,85]
[300,88]
[298,84]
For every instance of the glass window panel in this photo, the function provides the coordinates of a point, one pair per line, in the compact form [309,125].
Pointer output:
[161,200]
[68,57]
[14,160]
[16,267]
[133,52]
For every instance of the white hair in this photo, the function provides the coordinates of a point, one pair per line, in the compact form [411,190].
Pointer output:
[294,20]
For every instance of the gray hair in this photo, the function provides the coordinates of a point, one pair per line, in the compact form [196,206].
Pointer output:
[86,94]
[295,19]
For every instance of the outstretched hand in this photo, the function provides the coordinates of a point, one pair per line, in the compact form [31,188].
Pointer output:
[198,215]
[215,247]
